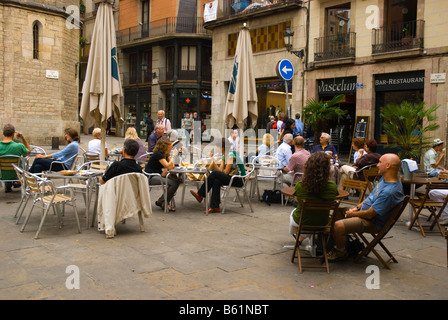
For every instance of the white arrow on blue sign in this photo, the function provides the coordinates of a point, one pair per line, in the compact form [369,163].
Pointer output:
[284,69]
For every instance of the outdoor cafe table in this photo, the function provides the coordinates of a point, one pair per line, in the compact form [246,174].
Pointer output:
[196,170]
[91,179]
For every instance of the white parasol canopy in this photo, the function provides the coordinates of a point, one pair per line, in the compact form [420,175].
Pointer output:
[242,96]
[101,91]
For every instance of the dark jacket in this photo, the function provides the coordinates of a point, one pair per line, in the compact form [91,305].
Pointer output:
[368,159]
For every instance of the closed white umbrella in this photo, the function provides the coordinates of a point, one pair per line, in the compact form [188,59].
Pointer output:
[101,91]
[242,96]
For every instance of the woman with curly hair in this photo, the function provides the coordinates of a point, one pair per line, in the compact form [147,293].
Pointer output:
[160,162]
[315,185]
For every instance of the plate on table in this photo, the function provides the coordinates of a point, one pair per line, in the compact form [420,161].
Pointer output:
[68,172]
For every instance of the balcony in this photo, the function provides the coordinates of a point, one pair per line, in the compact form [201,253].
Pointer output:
[185,73]
[398,37]
[341,46]
[168,27]
[233,10]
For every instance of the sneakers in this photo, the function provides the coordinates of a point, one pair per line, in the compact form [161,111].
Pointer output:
[336,255]
[211,210]
[198,197]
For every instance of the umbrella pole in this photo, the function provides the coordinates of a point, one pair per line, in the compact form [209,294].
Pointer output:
[103,140]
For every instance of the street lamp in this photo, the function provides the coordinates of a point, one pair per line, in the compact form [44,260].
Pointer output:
[287,36]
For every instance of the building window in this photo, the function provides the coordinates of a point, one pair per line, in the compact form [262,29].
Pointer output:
[35,41]
[188,58]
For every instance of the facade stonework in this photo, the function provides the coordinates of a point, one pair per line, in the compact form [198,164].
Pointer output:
[41,106]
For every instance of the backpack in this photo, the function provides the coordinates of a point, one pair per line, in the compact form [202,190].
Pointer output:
[271,196]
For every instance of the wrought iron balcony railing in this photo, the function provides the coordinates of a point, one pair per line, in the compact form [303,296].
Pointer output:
[335,47]
[163,27]
[400,36]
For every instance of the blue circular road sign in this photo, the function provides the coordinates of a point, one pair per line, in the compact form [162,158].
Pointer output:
[284,69]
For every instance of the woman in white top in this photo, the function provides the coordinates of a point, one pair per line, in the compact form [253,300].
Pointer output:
[344,171]
[94,145]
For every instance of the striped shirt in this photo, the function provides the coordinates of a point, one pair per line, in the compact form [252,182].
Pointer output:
[297,161]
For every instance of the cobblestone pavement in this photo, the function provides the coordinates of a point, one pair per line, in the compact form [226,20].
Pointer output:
[187,255]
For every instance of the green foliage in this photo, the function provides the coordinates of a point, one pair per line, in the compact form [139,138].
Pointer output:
[318,114]
[406,126]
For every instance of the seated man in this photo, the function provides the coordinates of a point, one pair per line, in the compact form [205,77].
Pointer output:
[371,215]
[126,165]
[9,147]
[296,162]
[152,140]
[433,157]
[284,151]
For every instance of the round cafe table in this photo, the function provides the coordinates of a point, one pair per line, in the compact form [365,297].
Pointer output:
[289,192]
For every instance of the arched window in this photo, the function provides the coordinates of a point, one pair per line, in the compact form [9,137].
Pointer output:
[35,41]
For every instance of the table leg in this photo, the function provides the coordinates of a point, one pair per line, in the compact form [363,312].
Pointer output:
[412,196]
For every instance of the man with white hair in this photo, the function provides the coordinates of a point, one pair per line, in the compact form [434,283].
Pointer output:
[284,151]
[325,145]
[166,123]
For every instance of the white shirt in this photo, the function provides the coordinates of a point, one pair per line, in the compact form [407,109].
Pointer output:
[94,146]
[284,153]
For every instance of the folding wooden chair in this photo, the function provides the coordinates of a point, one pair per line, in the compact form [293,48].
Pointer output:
[308,208]
[433,206]
[371,177]
[358,185]
[377,238]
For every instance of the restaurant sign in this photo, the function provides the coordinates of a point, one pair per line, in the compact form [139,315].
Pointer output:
[336,86]
[412,80]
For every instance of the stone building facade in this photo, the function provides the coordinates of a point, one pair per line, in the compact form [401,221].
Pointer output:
[39,49]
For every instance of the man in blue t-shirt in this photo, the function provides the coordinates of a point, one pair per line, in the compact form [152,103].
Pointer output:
[371,215]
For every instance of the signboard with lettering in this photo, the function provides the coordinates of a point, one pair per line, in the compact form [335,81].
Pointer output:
[412,80]
[438,77]
[359,131]
[335,86]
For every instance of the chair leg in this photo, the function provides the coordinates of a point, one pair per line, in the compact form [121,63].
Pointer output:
[26,220]
[324,248]
[42,220]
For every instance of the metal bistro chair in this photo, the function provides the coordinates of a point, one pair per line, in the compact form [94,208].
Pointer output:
[53,198]
[64,163]
[226,189]
[143,159]
[266,170]
[88,187]
[162,185]
[7,169]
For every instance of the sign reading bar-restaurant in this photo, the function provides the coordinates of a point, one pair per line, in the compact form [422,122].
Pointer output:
[411,80]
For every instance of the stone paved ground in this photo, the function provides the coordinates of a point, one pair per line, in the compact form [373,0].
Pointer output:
[187,255]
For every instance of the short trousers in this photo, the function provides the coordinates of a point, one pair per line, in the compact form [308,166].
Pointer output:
[359,225]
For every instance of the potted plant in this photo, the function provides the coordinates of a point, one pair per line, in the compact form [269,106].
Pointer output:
[407,125]
[407,37]
[318,114]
